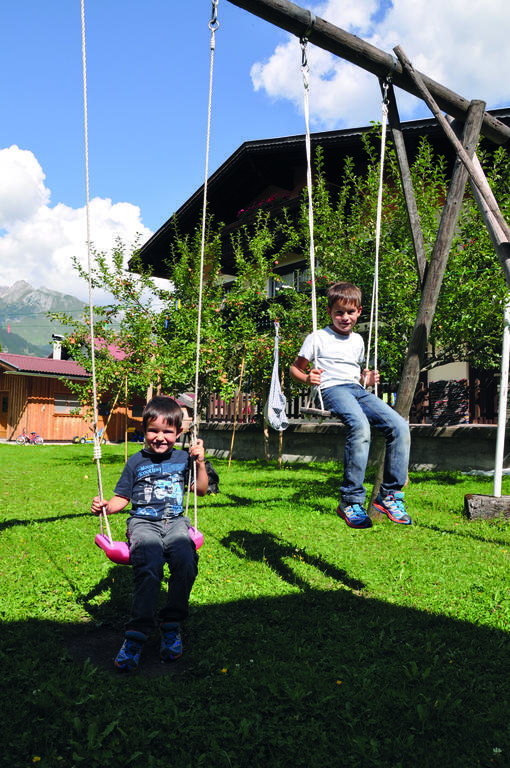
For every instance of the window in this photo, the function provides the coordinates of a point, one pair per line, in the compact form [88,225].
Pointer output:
[294,276]
[137,411]
[66,403]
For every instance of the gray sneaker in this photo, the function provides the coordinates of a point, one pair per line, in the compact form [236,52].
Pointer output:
[393,507]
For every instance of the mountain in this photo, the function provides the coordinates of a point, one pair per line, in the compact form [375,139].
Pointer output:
[25,327]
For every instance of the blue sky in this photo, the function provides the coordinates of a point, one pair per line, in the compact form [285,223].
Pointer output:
[148,68]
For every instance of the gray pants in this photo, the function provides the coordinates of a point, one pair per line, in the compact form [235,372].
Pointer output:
[151,545]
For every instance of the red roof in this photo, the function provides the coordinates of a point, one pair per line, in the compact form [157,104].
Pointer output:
[42,365]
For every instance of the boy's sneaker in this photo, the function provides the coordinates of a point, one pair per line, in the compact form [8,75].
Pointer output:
[171,643]
[393,507]
[354,515]
[129,655]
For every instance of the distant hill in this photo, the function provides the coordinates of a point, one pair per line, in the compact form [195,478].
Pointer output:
[24,325]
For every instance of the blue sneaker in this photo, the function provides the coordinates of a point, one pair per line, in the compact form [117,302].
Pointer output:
[393,507]
[171,642]
[129,655]
[354,515]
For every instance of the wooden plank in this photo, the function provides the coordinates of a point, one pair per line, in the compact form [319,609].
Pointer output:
[297,20]
[480,507]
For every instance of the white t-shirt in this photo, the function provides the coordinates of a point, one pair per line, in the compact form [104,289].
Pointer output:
[341,357]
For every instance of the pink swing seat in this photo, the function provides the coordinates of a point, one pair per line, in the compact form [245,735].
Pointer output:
[118,551]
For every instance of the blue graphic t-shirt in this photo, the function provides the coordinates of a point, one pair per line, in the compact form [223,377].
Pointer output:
[154,483]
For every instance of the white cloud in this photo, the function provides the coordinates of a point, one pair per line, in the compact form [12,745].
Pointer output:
[462,45]
[38,241]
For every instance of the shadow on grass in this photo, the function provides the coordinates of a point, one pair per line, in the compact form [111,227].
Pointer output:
[268,548]
[317,678]
[464,533]
[5,524]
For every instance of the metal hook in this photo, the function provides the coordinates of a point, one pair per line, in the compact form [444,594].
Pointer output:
[214,23]
[304,39]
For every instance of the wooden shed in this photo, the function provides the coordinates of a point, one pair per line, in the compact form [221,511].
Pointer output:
[34,397]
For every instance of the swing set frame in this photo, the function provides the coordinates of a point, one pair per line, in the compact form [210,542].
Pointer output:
[465,122]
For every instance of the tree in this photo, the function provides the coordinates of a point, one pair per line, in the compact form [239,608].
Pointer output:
[156,330]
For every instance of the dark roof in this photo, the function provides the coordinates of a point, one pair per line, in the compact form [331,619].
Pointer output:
[256,165]
[46,366]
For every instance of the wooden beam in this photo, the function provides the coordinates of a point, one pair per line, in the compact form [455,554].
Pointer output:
[479,507]
[475,174]
[436,268]
[300,22]
[407,184]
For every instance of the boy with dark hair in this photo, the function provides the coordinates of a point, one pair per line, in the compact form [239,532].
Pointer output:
[157,530]
[337,354]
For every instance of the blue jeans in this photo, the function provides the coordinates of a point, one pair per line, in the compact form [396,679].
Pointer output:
[359,410]
[152,543]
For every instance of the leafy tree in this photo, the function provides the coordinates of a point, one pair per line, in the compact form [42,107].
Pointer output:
[157,330]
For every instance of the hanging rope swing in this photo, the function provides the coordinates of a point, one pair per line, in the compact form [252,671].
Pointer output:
[315,396]
[118,551]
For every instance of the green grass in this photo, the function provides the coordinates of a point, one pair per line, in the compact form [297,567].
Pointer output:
[308,644]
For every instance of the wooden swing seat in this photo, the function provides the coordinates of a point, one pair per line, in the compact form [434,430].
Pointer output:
[318,412]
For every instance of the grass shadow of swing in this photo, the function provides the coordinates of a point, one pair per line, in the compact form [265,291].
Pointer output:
[275,552]
[301,677]
[14,522]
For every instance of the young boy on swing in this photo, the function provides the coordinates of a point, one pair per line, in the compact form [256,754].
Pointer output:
[157,530]
[339,354]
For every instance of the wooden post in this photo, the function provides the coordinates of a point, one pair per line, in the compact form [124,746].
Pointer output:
[476,176]
[236,409]
[435,272]
[300,22]
[433,280]
[407,184]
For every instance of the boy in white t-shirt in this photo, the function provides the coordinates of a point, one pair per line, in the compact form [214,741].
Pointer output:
[336,354]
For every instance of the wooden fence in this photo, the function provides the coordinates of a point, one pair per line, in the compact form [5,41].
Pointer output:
[441,403]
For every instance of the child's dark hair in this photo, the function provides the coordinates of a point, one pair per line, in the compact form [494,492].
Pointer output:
[162,406]
[345,292]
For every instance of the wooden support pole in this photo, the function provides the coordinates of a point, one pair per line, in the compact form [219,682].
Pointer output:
[432,285]
[407,184]
[474,172]
[437,266]
[300,22]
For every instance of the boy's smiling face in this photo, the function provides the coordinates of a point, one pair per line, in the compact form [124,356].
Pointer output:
[160,436]
[344,316]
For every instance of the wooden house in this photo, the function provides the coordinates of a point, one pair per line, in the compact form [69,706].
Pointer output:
[34,397]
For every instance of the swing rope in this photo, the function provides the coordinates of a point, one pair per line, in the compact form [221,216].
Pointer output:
[374,309]
[305,69]
[97,439]
[213,27]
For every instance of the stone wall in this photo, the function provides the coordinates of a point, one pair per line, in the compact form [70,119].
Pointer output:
[461,448]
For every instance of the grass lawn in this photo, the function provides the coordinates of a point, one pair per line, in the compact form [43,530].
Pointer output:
[309,643]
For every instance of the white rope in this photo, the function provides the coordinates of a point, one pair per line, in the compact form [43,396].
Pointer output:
[213,26]
[308,145]
[97,440]
[374,309]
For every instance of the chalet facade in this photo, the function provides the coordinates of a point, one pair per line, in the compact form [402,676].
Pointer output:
[271,173]
[34,397]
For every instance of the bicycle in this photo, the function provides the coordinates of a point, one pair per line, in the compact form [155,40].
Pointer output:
[29,439]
